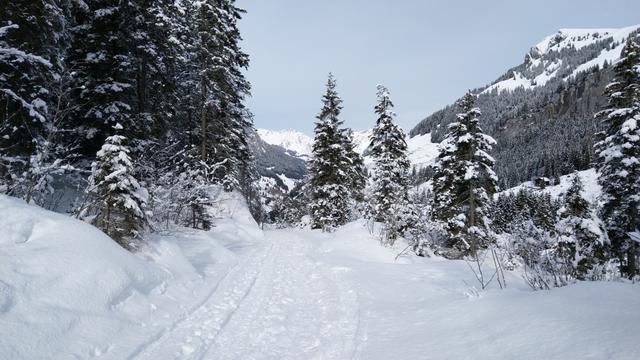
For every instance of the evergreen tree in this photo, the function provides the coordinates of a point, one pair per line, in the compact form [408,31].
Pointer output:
[581,244]
[618,158]
[389,196]
[464,182]
[155,50]
[329,182]
[102,60]
[225,123]
[118,199]
[32,36]
[357,173]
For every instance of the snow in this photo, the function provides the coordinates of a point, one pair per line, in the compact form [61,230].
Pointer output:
[563,39]
[289,139]
[362,140]
[589,179]
[421,151]
[511,84]
[289,183]
[67,291]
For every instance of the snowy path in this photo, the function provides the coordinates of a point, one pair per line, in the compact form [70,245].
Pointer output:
[276,303]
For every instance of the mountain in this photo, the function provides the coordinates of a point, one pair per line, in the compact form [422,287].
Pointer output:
[302,144]
[555,57]
[289,139]
[276,148]
[277,165]
[541,111]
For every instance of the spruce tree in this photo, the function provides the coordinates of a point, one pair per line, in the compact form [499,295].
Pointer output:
[581,248]
[102,61]
[618,158]
[225,123]
[118,198]
[464,182]
[357,173]
[389,194]
[32,37]
[328,182]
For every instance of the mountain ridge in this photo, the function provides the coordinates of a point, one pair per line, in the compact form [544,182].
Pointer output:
[541,111]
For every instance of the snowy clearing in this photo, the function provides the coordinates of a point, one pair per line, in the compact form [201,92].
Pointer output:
[67,291]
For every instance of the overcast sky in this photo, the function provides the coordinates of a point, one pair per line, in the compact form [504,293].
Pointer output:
[428,53]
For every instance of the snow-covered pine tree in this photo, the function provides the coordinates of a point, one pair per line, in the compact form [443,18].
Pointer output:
[31,39]
[389,192]
[464,182]
[328,182]
[155,51]
[195,178]
[618,158]
[117,198]
[357,174]
[225,123]
[581,247]
[187,78]
[102,60]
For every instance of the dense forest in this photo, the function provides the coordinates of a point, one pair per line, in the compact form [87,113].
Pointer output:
[151,90]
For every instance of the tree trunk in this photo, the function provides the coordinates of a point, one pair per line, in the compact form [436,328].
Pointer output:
[632,267]
[472,208]
[204,122]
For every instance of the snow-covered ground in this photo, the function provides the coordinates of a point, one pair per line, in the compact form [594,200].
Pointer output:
[68,292]
[588,177]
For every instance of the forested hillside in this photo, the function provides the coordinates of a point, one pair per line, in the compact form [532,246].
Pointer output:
[541,111]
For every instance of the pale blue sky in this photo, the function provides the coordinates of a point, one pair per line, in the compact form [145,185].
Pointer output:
[428,53]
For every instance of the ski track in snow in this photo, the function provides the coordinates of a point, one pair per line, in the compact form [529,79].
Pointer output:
[276,303]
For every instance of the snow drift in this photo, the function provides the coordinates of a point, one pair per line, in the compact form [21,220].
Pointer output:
[69,291]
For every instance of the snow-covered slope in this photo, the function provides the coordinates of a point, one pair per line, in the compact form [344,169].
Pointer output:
[421,150]
[588,177]
[67,291]
[362,140]
[544,63]
[289,139]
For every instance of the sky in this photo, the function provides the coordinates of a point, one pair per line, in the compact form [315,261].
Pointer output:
[428,53]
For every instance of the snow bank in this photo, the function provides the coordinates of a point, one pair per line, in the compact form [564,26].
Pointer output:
[69,291]
[430,308]
[62,278]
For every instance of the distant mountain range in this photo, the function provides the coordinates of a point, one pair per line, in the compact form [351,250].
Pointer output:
[281,154]
[541,111]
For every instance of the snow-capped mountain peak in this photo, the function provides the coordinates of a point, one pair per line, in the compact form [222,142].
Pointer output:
[289,139]
[421,151]
[563,55]
[579,38]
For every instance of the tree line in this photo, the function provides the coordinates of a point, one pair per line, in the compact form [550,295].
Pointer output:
[459,213]
[143,100]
